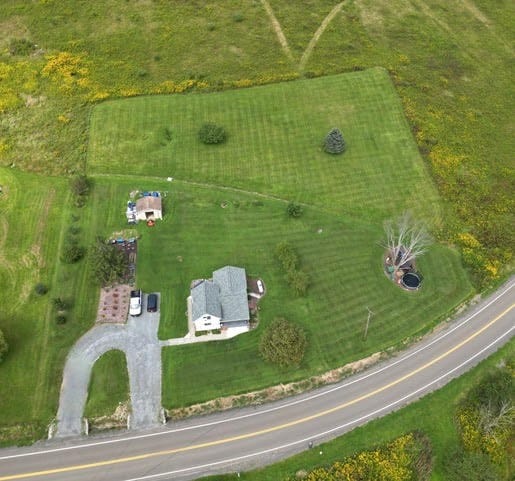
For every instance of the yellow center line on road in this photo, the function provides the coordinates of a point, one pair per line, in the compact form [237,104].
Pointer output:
[263,431]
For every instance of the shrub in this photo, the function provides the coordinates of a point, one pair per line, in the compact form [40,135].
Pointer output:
[299,281]
[334,143]
[80,185]
[40,289]
[60,318]
[395,461]
[286,254]
[59,303]
[4,347]
[294,209]
[72,253]
[73,230]
[21,46]
[283,343]
[211,133]
[467,466]
[486,417]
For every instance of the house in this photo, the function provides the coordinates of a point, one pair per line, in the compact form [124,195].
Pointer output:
[221,301]
[149,207]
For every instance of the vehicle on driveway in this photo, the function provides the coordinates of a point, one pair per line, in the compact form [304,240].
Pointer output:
[135,303]
[152,303]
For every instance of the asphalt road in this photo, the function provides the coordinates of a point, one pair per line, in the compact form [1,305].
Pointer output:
[245,438]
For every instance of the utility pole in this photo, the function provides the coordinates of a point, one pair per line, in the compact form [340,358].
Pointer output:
[370,314]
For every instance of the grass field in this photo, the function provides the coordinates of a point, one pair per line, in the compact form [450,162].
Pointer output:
[433,415]
[274,146]
[35,215]
[31,215]
[451,63]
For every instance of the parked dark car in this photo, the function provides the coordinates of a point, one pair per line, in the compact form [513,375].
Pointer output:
[152,303]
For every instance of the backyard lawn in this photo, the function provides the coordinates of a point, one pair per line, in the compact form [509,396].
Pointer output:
[274,146]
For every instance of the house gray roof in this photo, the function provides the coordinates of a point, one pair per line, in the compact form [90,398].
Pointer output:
[205,299]
[225,296]
[233,293]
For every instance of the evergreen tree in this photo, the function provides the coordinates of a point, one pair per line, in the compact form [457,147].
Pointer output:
[334,143]
[107,262]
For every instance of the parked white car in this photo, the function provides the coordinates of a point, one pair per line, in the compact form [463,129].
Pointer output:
[135,303]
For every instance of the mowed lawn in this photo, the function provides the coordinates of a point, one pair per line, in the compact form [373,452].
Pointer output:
[274,146]
[342,257]
[31,215]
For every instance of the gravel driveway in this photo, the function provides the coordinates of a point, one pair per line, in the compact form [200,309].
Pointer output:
[138,340]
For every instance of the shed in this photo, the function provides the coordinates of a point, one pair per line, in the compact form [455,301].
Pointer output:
[149,208]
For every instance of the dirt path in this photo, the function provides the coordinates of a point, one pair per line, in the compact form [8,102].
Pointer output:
[278,30]
[316,37]
[314,40]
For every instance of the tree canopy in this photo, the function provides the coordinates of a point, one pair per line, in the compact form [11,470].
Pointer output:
[107,262]
[283,343]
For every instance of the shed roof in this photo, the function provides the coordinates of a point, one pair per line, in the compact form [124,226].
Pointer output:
[148,203]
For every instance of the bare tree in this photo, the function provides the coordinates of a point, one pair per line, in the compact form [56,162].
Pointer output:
[491,419]
[405,240]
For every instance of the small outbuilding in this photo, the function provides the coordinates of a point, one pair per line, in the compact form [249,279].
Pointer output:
[149,207]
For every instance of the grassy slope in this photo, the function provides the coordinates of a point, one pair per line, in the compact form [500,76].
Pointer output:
[434,415]
[275,143]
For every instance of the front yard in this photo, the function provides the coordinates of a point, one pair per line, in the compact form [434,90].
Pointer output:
[342,257]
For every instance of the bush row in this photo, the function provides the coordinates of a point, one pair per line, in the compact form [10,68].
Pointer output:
[289,259]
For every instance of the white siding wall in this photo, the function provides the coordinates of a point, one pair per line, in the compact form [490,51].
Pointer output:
[141,215]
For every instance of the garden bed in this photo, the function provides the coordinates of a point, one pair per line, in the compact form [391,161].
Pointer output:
[113,306]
